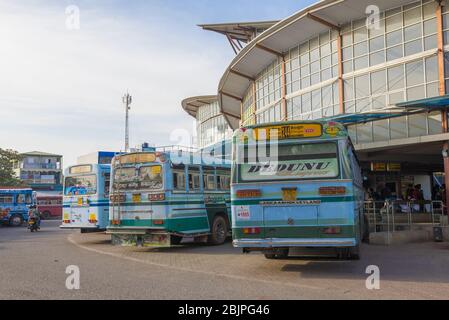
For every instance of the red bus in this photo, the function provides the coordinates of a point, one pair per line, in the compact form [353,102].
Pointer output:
[49,206]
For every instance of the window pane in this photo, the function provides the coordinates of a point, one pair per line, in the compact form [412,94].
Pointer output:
[432,69]
[430,42]
[394,38]
[360,34]
[362,86]
[412,16]
[394,53]
[378,82]
[376,43]
[377,58]
[433,90]
[435,123]
[395,78]
[430,27]
[360,63]
[417,125]
[414,73]
[364,133]
[349,89]
[413,32]
[398,128]
[416,93]
[393,22]
[363,105]
[347,53]
[379,102]
[381,130]
[360,49]
[413,47]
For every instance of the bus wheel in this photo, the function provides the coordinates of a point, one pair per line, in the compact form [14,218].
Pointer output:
[270,256]
[175,240]
[219,231]
[354,253]
[277,254]
[16,220]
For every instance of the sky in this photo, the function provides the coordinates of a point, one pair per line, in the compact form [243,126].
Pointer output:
[61,83]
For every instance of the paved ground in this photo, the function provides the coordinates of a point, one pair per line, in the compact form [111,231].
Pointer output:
[33,266]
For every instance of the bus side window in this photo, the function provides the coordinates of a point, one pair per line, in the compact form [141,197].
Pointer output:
[20,199]
[28,199]
[179,180]
[223,182]
[6,200]
[107,183]
[209,178]
[194,179]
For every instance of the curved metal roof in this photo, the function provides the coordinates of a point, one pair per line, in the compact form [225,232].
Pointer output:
[285,34]
[192,104]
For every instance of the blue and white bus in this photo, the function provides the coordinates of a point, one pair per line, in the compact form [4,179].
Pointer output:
[296,184]
[15,204]
[86,197]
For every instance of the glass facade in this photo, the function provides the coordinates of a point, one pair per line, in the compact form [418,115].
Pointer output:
[212,126]
[392,62]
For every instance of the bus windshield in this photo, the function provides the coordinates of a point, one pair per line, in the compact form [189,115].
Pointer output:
[81,185]
[293,162]
[146,177]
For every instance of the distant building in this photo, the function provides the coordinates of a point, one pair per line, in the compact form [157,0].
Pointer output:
[40,171]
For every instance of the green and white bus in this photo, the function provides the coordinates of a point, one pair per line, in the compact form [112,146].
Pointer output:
[296,184]
[159,198]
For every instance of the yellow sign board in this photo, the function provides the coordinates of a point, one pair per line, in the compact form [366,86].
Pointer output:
[156,170]
[137,198]
[81,169]
[80,201]
[137,158]
[395,167]
[378,166]
[294,131]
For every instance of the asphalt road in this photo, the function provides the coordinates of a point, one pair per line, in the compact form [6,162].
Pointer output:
[33,265]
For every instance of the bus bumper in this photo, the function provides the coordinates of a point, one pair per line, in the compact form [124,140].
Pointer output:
[304,243]
[139,238]
[78,227]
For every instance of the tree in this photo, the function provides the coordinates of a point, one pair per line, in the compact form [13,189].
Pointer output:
[7,176]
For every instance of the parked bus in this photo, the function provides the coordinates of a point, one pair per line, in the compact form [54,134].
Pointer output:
[86,197]
[296,184]
[14,205]
[158,198]
[49,206]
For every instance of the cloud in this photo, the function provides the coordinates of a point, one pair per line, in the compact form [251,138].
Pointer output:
[62,89]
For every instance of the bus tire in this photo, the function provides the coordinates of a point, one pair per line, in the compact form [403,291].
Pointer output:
[281,253]
[175,240]
[16,220]
[219,231]
[354,253]
[270,256]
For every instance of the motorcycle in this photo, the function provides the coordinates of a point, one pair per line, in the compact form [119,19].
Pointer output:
[33,225]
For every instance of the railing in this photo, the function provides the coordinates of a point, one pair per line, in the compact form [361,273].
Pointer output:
[393,216]
[176,148]
[42,166]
